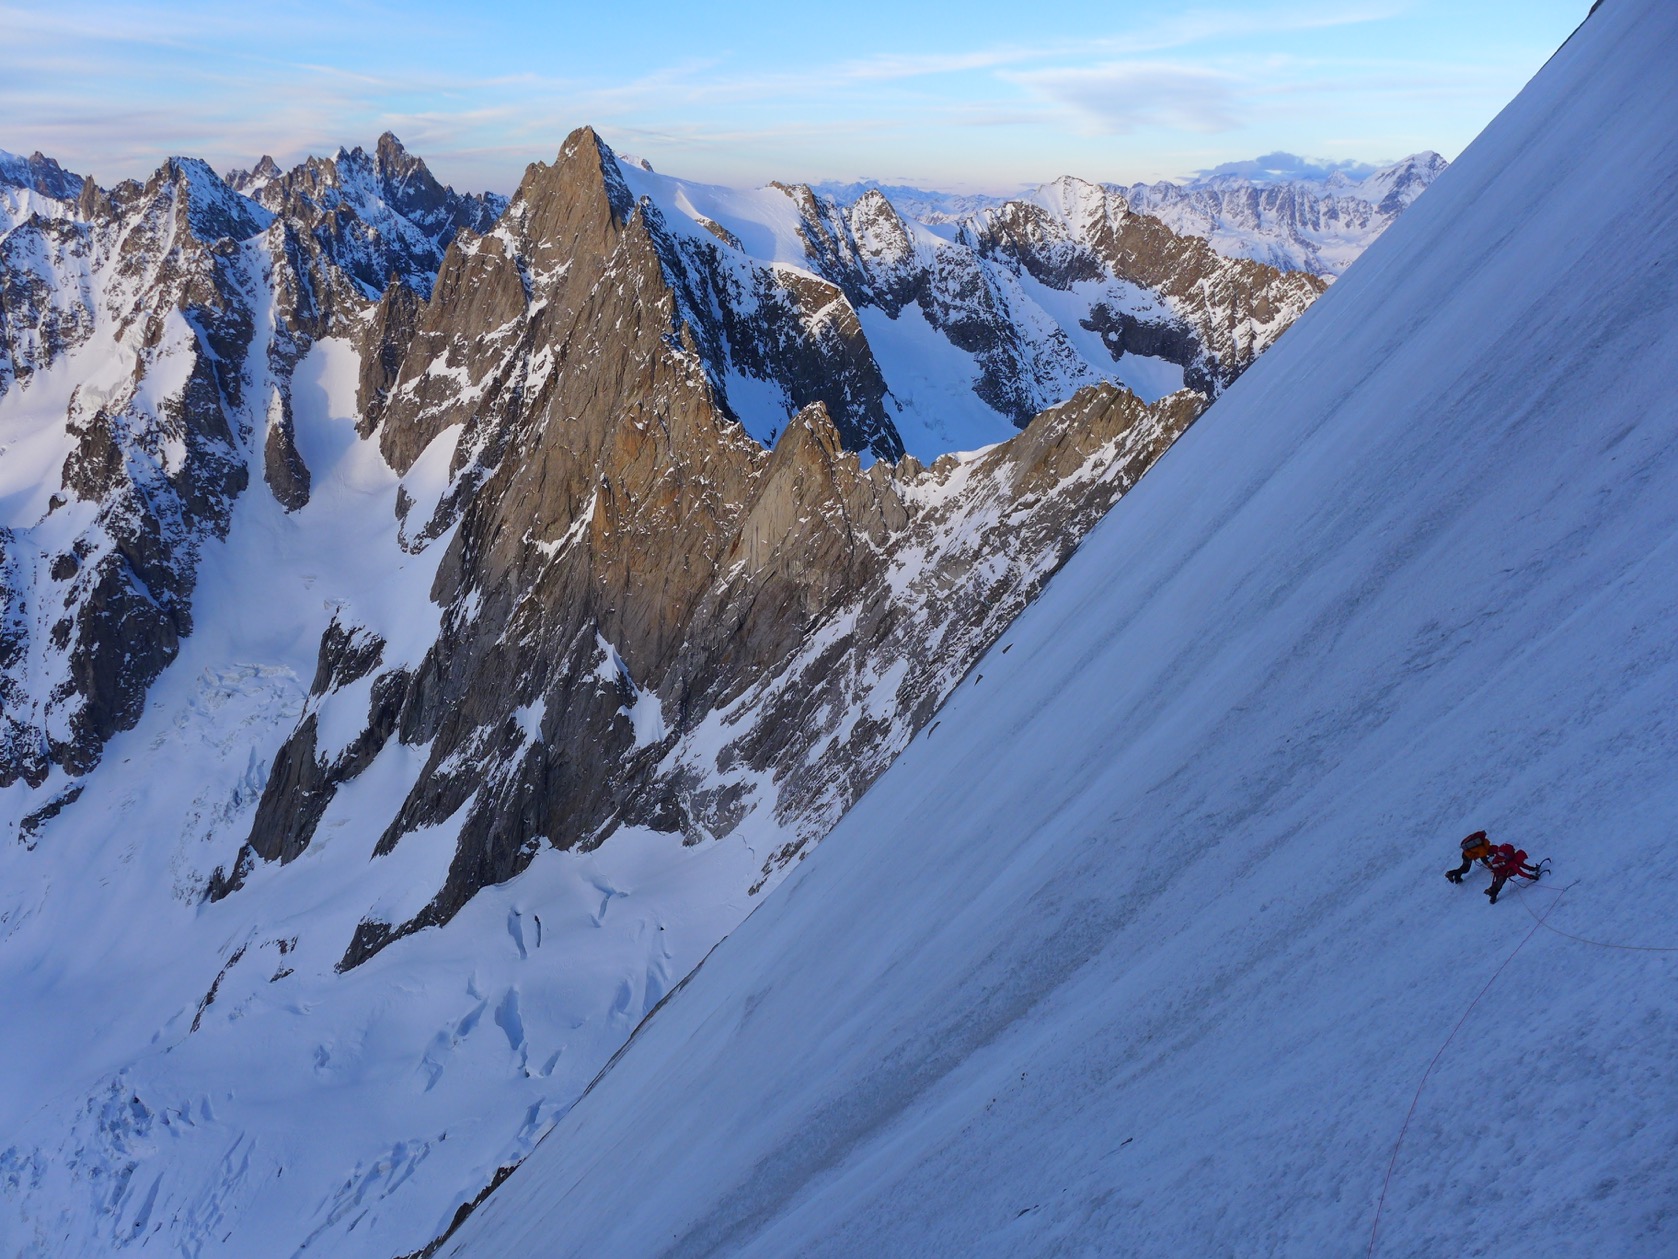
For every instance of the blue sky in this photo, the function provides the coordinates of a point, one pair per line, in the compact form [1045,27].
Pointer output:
[982,96]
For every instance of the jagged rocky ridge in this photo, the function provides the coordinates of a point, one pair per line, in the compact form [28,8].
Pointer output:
[98,547]
[379,216]
[1042,294]
[185,306]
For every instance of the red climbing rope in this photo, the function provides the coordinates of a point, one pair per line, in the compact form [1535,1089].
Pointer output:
[1414,1101]
[1538,920]
[1601,944]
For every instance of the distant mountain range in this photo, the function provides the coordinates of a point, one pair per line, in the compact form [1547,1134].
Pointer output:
[1280,210]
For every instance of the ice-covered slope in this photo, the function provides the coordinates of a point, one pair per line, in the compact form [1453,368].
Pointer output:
[1144,948]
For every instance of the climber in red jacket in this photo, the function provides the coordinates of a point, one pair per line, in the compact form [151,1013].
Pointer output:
[1507,861]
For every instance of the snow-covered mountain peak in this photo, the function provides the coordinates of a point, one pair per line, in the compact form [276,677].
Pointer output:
[1080,204]
[405,183]
[214,210]
[1394,187]
[924,204]
[38,185]
[253,181]
[882,234]
[39,173]
[394,158]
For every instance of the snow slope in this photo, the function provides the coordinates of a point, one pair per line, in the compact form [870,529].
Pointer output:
[1143,948]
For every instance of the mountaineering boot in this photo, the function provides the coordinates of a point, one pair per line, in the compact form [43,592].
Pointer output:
[1493,894]
[1453,876]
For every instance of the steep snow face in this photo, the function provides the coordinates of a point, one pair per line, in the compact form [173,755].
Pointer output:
[1320,226]
[1144,947]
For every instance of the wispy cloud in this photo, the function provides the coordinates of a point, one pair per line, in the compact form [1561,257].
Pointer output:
[1155,35]
[1118,97]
